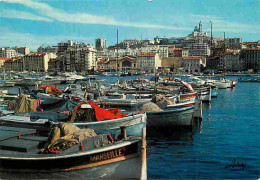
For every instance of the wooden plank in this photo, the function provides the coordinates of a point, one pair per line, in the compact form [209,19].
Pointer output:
[9,132]
[16,129]
[18,145]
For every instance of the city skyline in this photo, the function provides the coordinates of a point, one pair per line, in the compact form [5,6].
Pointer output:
[33,23]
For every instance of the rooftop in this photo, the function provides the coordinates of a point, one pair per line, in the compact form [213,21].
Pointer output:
[5,59]
[252,49]
[102,61]
[192,58]
[36,54]
[146,55]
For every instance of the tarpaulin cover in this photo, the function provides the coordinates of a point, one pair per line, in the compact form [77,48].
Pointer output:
[103,114]
[51,89]
[188,86]
[24,104]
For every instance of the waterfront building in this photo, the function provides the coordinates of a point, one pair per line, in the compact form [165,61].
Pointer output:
[102,65]
[250,45]
[2,61]
[37,62]
[102,54]
[63,46]
[113,52]
[171,51]
[15,64]
[173,64]
[130,43]
[127,63]
[78,57]
[47,49]
[101,43]
[199,49]
[192,64]
[181,52]
[112,65]
[148,62]
[213,63]
[251,58]
[23,50]
[54,65]
[231,62]
[8,52]
[234,43]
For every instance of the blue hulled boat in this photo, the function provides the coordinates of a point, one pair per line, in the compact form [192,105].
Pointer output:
[23,155]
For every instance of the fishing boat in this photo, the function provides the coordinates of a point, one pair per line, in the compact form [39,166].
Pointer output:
[49,98]
[171,118]
[8,84]
[23,155]
[28,82]
[181,104]
[196,82]
[204,94]
[184,97]
[121,99]
[103,122]
[223,83]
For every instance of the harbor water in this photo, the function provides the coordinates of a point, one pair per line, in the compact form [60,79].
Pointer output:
[225,144]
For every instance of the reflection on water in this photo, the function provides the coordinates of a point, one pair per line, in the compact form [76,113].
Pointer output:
[168,134]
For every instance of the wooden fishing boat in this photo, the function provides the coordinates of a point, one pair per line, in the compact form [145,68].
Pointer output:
[204,94]
[49,98]
[134,122]
[100,156]
[181,105]
[188,96]
[8,84]
[222,83]
[171,118]
[28,82]
[121,99]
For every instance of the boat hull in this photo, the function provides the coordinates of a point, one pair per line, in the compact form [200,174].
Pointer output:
[48,99]
[133,124]
[122,161]
[205,96]
[171,118]
[222,85]
[124,103]
[214,92]
[188,97]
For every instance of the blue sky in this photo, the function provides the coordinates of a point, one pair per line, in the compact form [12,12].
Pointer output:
[33,23]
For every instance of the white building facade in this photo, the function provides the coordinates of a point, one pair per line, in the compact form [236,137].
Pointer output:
[192,64]
[199,49]
[148,62]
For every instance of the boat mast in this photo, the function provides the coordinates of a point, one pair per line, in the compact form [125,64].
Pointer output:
[211,49]
[117,59]
[224,53]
